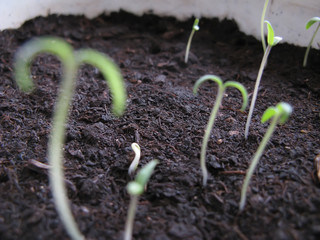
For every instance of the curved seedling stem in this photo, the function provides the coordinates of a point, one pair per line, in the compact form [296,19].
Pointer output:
[195,28]
[308,25]
[221,89]
[134,164]
[64,52]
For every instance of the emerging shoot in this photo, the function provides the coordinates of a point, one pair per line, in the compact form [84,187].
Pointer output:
[195,28]
[279,115]
[272,41]
[263,15]
[134,164]
[221,89]
[308,25]
[71,61]
[135,189]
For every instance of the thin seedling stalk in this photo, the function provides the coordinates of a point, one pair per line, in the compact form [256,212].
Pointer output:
[272,41]
[135,189]
[207,136]
[70,61]
[305,59]
[221,89]
[57,137]
[255,160]
[195,28]
[263,15]
[130,218]
[279,114]
[134,164]
[256,88]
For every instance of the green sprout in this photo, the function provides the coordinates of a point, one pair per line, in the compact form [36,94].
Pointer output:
[308,25]
[71,61]
[272,41]
[135,189]
[195,28]
[263,15]
[279,114]
[221,89]
[134,164]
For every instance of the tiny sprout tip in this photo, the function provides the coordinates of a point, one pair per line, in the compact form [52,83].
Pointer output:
[134,164]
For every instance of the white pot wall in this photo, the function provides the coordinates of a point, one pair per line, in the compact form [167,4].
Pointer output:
[288,17]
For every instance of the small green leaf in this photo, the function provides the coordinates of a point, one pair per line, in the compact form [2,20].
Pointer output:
[195,25]
[272,40]
[270,33]
[145,173]
[312,21]
[269,113]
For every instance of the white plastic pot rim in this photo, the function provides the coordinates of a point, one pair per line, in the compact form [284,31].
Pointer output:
[288,17]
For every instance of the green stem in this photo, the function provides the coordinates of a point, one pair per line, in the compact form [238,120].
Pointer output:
[70,64]
[55,152]
[207,135]
[130,218]
[188,46]
[309,47]
[255,160]
[22,73]
[255,92]
[262,24]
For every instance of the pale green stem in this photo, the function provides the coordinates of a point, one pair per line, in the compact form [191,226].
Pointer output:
[188,46]
[262,24]
[130,218]
[22,73]
[309,47]
[256,158]
[56,141]
[255,92]
[207,135]
[55,152]
[64,51]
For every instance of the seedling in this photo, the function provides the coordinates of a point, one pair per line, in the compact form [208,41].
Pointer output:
[134,164]
[221,89]
[71,61]
[263,15]
[135,189]
[195,28]
[272,41]
[279,114]
[308,25]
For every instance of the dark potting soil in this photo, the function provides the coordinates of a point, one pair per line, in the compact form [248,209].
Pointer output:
[168,122]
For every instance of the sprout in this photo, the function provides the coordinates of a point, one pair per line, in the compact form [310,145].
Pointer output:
[221,89]
[308,25]
[279,115]
[134,164]
[71,62]
[272,41]
[135,189]
[262,24]
[195,28]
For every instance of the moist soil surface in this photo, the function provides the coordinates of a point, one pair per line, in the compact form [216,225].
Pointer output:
[167,121]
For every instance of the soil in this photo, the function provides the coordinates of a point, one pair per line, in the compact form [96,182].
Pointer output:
[168,122]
